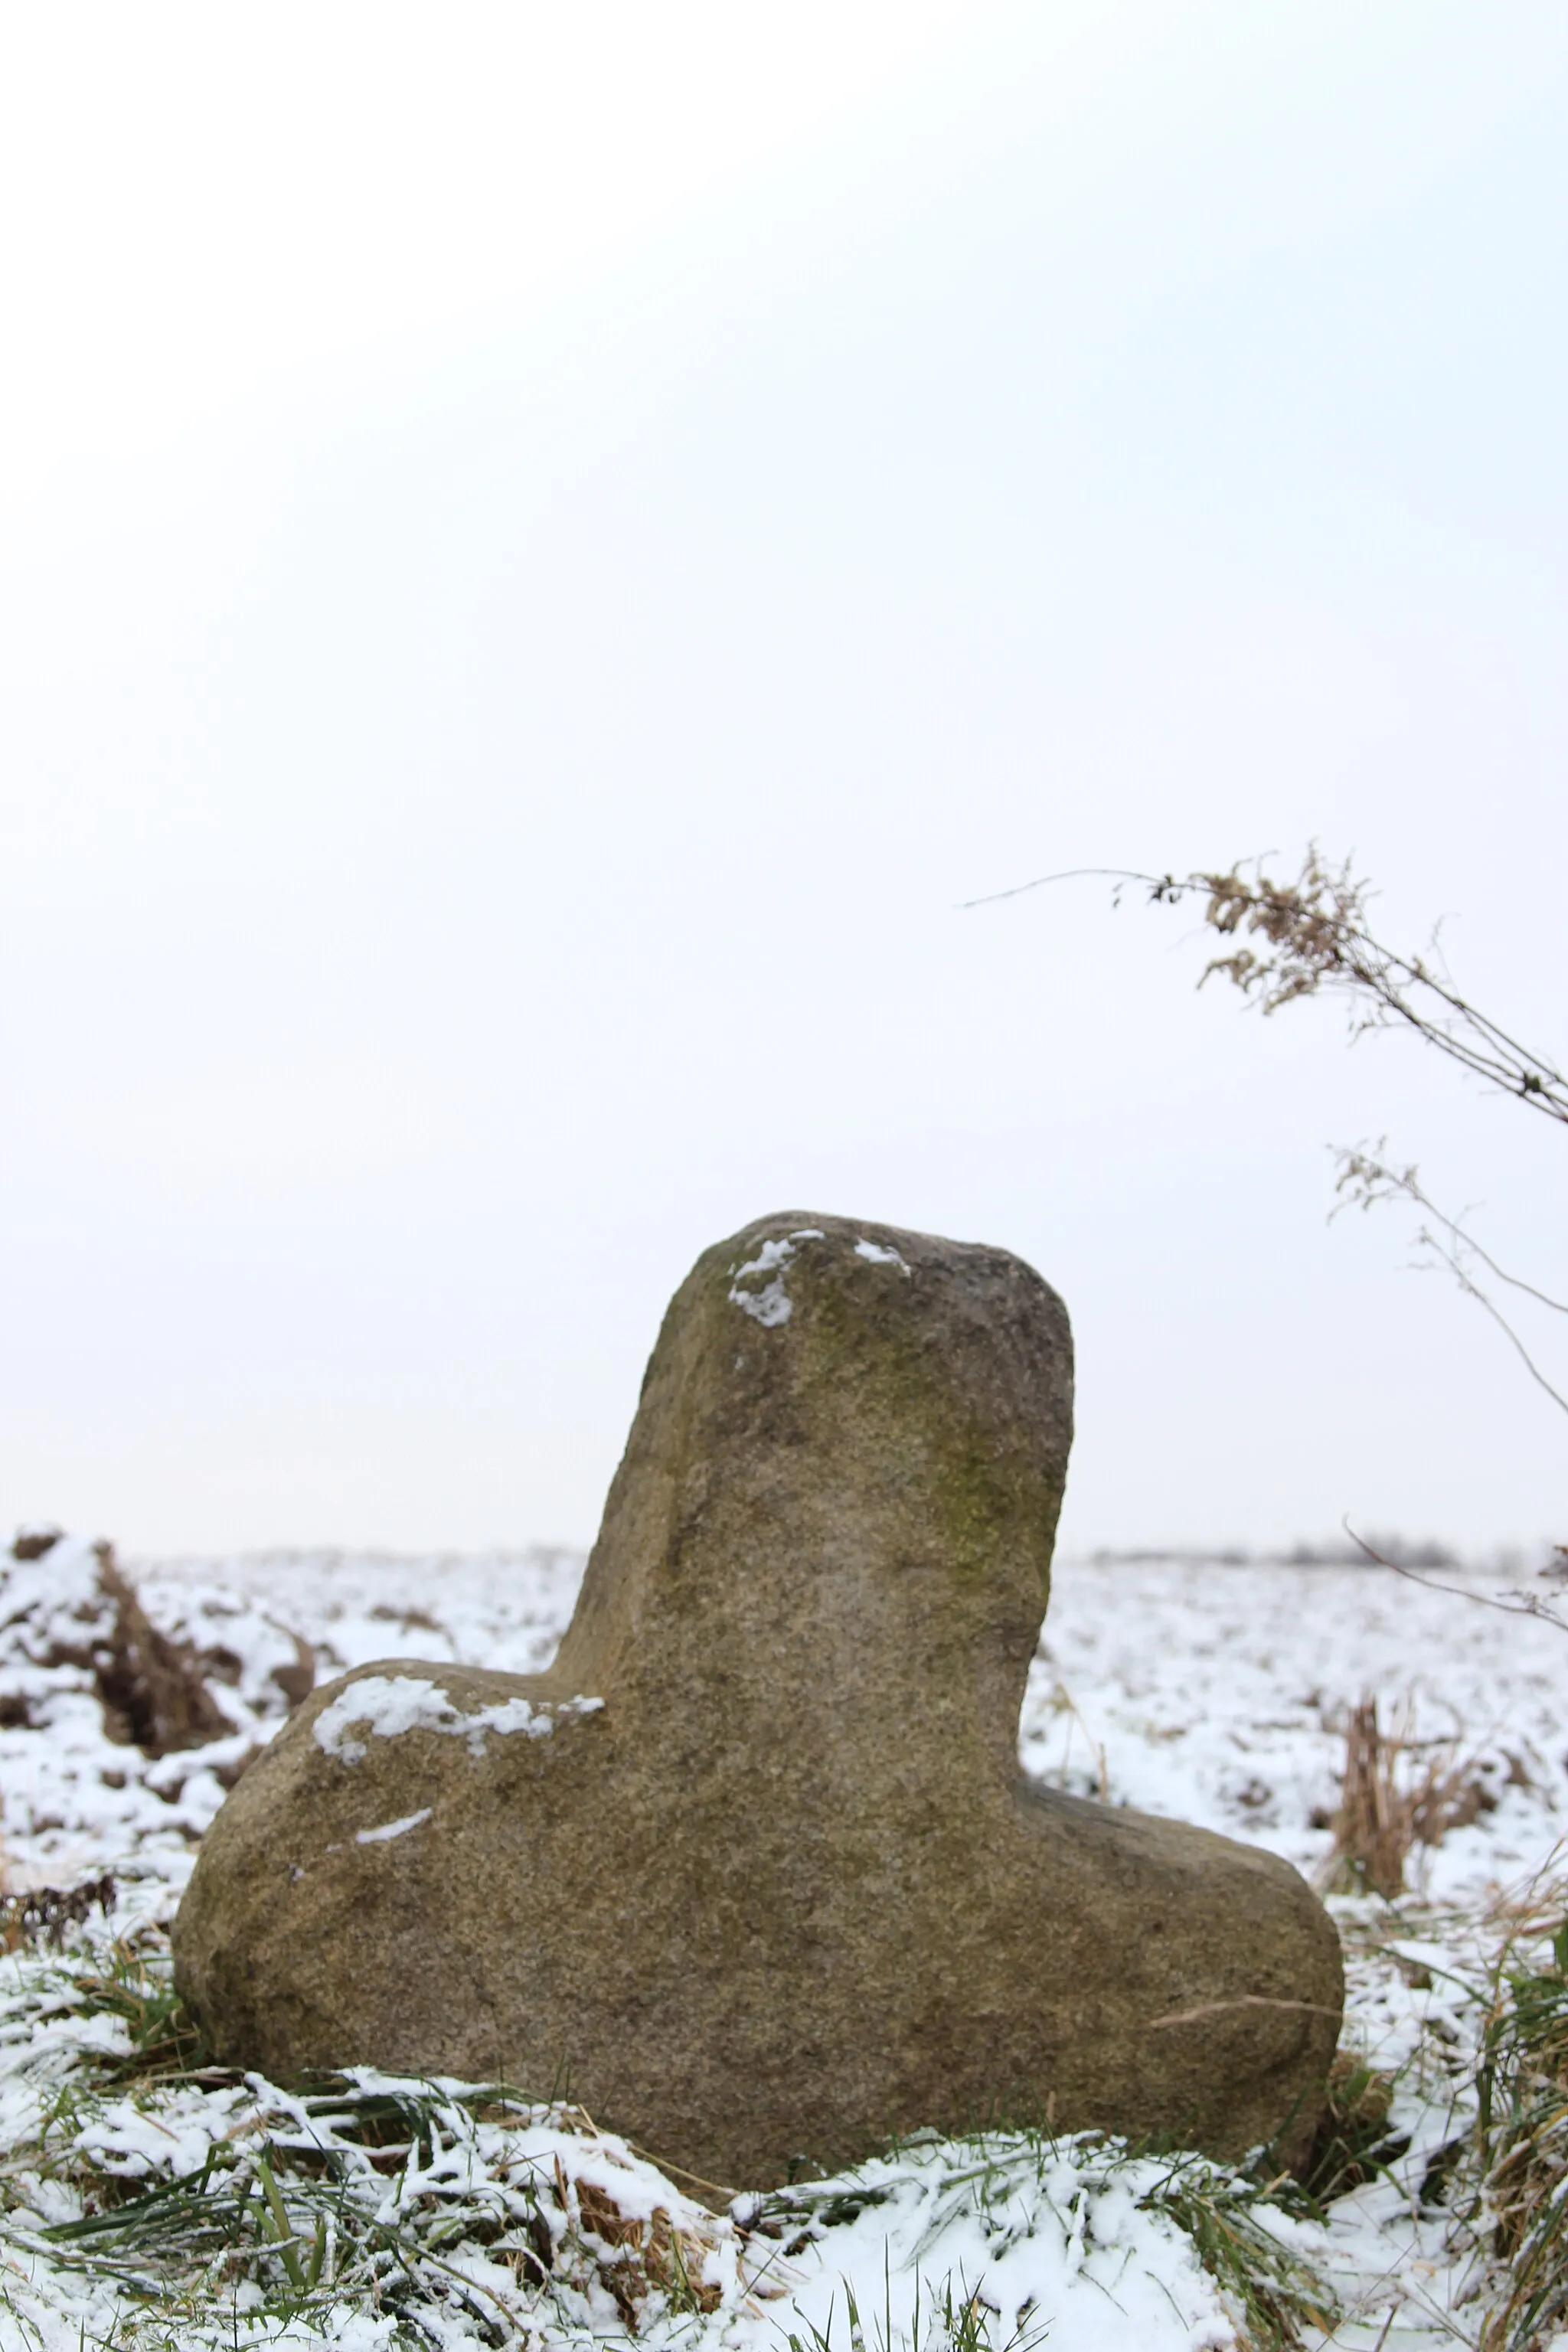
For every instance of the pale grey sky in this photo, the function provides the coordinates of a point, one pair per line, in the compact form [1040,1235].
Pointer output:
[536,570]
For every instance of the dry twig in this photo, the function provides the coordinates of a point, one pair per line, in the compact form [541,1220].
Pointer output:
[1365,1180]
[1511,1604]
[1314,940]
[1314,937]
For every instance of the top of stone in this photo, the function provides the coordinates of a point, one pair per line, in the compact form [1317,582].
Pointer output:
[852,1448]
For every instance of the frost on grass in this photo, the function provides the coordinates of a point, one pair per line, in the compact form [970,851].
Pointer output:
[1007,2238]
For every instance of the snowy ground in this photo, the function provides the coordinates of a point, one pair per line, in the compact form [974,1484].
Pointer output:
[1219,1693]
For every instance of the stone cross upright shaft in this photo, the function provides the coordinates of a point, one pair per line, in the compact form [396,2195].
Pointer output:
[752,1872]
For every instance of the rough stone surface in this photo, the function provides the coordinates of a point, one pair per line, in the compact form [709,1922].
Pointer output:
[778,1890]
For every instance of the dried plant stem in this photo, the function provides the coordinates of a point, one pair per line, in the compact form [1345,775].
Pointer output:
[1366,1181]
[1383,1814]
[1314,937]
[1316,940]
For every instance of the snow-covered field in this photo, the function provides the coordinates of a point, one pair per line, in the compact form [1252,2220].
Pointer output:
[389,2213]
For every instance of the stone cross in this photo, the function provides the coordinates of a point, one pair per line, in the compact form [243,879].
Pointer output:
[753,1873]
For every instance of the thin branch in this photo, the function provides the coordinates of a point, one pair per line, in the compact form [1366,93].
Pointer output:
[1369,1181]
[1514,1281]
[1314,937]
[1365,1181]
[1521,1604]
[1472,1289]
[1073,873]
[1467,1241]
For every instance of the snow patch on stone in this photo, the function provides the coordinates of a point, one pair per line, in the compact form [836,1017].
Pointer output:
[387,1706]
[389,1830]
[875,1255]
[771,1305]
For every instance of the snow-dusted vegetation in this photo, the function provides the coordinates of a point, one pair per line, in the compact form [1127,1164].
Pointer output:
[150,2197]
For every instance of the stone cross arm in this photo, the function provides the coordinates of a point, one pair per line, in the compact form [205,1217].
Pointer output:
[752,1872]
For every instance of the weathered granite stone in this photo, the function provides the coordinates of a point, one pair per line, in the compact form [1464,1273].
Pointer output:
[751,1872]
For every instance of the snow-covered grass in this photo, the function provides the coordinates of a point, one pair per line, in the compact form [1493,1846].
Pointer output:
[149,2198]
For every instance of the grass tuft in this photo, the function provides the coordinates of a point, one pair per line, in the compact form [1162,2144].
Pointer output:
[1251,2244]
[1523,2136]
[1355,2140]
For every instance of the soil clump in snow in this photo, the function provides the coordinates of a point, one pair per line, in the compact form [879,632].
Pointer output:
[77,1620]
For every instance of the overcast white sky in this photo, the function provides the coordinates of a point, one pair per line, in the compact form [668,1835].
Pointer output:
[543,552]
